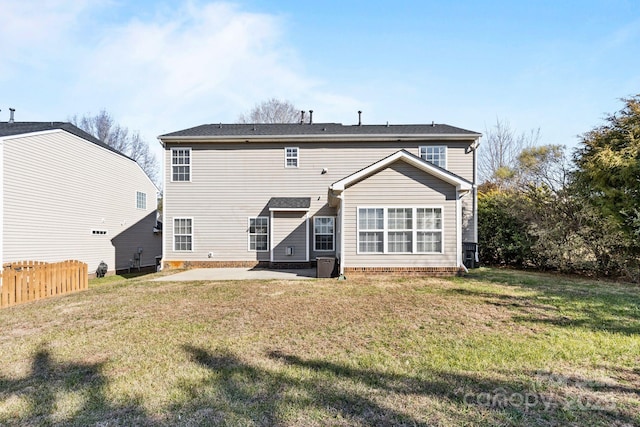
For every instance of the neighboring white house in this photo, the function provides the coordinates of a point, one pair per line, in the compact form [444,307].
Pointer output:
[67,195]
[374,197]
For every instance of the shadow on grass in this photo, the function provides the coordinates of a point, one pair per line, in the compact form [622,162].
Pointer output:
[40,395]
[599,306]
[299,391]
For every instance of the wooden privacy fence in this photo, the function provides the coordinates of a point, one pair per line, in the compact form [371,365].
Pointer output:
[25,281]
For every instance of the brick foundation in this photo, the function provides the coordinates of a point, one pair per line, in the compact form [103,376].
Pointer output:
[354,271]
[405,271]
[172,265]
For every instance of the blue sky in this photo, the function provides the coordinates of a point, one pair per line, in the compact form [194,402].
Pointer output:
[161,66]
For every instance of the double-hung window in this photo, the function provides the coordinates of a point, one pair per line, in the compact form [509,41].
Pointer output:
[291,156]
[400,230]
[436,154]
[181,164]
[141,200]
[429,230]
[182,234]
[323,233]
[371,230]
[259,234]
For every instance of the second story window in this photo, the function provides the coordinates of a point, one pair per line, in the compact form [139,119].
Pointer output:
[291,157]
[436,154]
[181,164]
[141,200]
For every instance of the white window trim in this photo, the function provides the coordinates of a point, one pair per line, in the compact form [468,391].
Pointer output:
[385,230]
[249,234]
[415,229]
[333,236]
[297,157]
[173,232]
[190,163]
[446,154]
[144,199]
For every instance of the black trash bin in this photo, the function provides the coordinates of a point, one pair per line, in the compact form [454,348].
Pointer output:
[326,267]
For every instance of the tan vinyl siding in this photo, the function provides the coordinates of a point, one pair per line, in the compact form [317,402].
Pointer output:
[59,187]
[418,189]
[289,230]
[231,182]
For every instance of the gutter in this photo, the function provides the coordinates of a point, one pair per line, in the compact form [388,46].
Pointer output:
[317,137]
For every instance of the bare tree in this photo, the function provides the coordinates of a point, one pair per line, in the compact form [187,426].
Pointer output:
[104,127]
[271,111]
[498,157]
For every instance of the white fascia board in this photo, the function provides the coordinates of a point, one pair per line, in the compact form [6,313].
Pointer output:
[288,209]
[323,138]
[461,185]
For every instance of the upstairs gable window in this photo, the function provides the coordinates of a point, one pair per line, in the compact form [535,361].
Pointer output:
[436,154]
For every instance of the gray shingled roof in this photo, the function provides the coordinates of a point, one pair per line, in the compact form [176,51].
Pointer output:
[232,130]
[289,203]
[19,128]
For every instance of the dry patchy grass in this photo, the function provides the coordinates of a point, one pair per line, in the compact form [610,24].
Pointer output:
[495,348]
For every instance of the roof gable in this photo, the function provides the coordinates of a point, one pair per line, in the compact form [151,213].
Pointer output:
[415,161]
[23,128]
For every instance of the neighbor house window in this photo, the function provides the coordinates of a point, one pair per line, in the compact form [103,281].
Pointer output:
[141,200]
[429,230]
[323,233]
[181,164]
[400,230]
[436,154]
[371,230]
[291,157]
[182,234]
[259,233]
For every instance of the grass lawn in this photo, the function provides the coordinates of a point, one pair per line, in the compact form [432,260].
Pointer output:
[494,348]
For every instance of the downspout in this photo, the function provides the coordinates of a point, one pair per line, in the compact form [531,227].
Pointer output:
[459,257]
[475,197]
[165,225]
[341,215]
[458,229]
[306,220]
[270,236]
[1,207]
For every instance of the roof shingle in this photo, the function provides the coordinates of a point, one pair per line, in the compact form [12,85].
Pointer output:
[269,129]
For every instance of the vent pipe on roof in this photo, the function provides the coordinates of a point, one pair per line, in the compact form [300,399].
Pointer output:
[302,117]
[310,117]
[359,118]
[433,124]
[11,111]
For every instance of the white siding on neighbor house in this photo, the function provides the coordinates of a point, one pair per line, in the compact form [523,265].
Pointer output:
[400,185]
[289,230]
[58,188]
[233,181]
